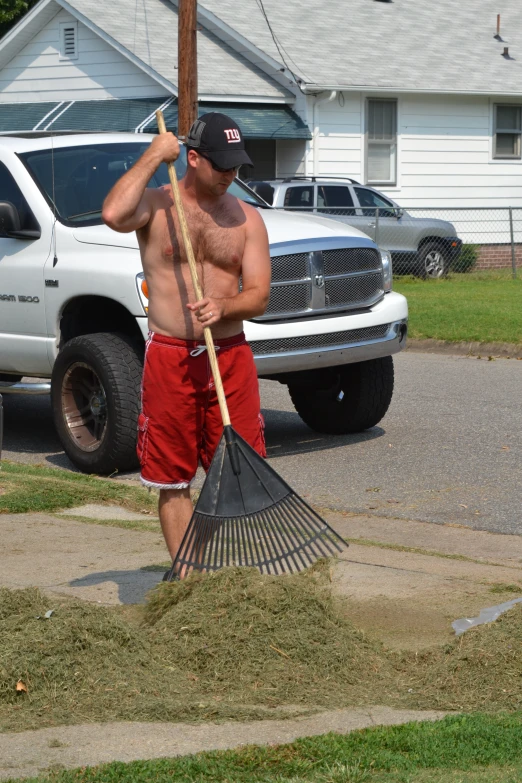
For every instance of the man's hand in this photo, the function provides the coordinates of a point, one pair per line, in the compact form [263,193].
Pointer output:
[208,311]
[128,205]
[165,147]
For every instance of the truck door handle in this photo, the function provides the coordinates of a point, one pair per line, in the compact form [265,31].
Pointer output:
[372,225]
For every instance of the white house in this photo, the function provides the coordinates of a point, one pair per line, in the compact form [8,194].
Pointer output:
[422,99]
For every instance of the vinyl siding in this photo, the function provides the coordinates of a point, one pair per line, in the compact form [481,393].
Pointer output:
[445,156]
[290,158]
[340,137]
[37,73]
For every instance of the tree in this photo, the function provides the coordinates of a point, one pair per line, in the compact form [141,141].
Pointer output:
[11,11]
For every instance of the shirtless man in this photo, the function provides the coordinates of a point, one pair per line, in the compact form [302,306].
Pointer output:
[180,420]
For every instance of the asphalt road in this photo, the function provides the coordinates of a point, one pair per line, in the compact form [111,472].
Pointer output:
[448,451]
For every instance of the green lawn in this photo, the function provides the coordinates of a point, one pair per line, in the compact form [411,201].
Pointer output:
[459,749]
[30,488]
[478,307]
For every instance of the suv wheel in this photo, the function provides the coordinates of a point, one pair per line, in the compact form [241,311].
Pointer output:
[95,397]
[356,400]
[432,261]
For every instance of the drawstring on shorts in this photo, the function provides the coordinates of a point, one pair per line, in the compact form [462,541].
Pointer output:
[200,349]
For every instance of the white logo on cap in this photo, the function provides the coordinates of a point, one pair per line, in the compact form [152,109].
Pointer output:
[232,135]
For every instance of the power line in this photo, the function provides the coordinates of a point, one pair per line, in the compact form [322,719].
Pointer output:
[279,46]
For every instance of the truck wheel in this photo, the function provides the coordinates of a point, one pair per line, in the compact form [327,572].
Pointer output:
[357,399]
[432,261]
[95,396]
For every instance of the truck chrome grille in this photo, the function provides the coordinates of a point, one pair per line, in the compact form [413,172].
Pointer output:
[313,341]
[321,281]
[291,267]
[352,290]
[289,299]
[353,259]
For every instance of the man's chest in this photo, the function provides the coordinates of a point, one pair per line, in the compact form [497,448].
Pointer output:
[221,246]
[219,242]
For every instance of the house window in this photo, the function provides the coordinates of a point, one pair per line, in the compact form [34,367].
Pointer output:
[381,150]
[506,143]
[68,41]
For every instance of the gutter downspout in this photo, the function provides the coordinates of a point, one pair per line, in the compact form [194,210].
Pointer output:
[315,141]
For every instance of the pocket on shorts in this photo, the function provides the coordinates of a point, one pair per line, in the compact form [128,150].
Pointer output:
[143,438]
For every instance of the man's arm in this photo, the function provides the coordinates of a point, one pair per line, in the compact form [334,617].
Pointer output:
[128,205]
[256,274]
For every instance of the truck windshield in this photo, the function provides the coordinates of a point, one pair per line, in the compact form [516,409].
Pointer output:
[75,180]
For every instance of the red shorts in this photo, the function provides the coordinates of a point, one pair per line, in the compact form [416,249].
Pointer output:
[180,423]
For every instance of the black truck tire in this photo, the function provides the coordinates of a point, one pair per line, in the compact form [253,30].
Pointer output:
[95,397]
[357,397]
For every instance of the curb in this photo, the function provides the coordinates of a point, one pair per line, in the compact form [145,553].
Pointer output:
[496,350]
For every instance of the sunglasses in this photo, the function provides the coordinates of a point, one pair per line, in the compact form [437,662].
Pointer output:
[218,168]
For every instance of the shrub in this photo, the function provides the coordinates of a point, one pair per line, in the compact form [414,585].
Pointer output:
[468,258]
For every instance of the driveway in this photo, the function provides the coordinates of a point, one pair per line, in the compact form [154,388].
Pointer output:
[448,451]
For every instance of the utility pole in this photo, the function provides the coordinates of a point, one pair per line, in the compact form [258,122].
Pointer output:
[187,65]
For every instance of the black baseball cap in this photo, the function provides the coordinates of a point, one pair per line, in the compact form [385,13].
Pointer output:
[219,138]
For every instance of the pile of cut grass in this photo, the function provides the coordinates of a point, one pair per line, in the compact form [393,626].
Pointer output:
[480,670]
[233,644]
[252,639]
[28,488]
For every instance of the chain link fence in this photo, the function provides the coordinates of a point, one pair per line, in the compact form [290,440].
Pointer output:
[437,241]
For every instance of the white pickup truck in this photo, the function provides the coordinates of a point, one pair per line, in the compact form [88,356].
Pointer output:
[73,302]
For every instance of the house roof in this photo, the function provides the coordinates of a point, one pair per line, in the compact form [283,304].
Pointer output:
[149,30]
[147,33]
[247,49]
[407,45]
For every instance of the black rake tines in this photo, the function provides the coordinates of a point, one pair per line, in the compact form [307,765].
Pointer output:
[287,537]
[248,516]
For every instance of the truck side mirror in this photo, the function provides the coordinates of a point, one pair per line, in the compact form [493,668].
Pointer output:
[10,225]
[399,213]
[9,218]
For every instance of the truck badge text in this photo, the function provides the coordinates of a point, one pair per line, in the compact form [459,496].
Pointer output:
[12,298]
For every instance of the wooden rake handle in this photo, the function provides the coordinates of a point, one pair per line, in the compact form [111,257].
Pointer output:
[195,281]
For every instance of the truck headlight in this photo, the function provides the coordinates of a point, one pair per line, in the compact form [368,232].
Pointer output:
[143,291]
[386,262]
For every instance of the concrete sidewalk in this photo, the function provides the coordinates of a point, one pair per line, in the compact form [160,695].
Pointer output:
[34,752]
[94,562]
[406,598]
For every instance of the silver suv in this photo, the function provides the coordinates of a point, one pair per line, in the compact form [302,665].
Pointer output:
[422,246]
